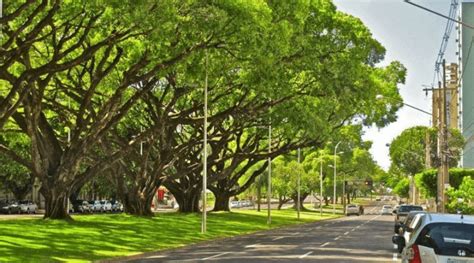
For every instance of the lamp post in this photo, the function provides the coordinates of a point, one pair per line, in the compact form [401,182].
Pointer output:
[321,188]
[299,184]
[204,166]
[269,191]
[335,171]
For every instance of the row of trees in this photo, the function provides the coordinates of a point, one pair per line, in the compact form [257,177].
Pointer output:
[85,95]
[414,153]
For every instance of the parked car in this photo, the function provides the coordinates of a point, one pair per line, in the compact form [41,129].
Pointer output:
[235,204]
[106,206]
[352,209]
[28,207]
[117,206]
[386,210]
[444,238]
[10,207]
[97,206]
[411,223]
[79,206]
[402,212]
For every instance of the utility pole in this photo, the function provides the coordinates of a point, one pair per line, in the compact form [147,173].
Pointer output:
[444,150]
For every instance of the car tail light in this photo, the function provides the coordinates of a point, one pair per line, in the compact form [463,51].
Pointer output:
[413,254]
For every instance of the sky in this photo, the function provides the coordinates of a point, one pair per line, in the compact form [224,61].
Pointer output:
[413,37]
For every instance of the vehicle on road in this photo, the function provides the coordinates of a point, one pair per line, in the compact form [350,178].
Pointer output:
[411,223]
[386,210]
[402,212]
[352,209]
[28,207]
[443,238]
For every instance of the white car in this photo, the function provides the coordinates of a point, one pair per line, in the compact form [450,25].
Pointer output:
[441,238]
[97,207]
[106,206]
[235,204]
[28,207]
[386,210]
[352,209]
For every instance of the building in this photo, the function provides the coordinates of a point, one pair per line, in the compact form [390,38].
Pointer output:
[467,83]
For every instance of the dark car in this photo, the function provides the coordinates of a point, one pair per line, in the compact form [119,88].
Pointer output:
[402,213]
[10,207]
[79,206]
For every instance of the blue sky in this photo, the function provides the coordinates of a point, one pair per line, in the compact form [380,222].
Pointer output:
[413,37]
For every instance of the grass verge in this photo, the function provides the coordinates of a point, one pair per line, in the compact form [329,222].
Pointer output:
[94,237]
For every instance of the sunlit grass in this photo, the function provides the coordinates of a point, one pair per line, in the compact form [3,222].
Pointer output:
[94,237]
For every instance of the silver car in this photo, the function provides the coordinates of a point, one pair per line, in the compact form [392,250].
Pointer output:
[28,207]
[352,209]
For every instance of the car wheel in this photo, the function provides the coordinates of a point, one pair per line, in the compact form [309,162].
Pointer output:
[28,211]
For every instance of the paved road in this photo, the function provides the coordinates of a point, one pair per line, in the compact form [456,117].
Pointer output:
[364,238]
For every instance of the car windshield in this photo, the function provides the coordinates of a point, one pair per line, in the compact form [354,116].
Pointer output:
[351,206]
[408,208]
[387,206]
[23,202]
[450,239]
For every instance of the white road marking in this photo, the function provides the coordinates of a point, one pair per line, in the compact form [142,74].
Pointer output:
[358,226]
[251,246]
[319,227]
[307,254]
[215,256]
[352,230]
[337,238]
[347,233]
[395,257]
[325,244]
[277,238]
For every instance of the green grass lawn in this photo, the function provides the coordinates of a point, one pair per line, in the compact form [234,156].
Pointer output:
[93,237]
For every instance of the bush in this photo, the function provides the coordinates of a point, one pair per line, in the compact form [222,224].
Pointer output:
[426,180]
[462,199]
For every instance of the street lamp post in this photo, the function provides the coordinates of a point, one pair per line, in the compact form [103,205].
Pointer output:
[204,169]
[299,184]
[335,171]
[321,188]
[269,191]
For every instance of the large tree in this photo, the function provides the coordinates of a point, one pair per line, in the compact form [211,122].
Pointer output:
[99,68]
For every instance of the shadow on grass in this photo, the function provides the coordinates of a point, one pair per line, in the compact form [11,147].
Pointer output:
[104,236]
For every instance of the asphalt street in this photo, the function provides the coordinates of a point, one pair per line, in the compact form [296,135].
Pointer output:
[364,238]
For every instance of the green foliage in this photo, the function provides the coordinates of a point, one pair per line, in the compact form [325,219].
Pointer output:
[402,188]
[407,150]
[426,180]
[461,199]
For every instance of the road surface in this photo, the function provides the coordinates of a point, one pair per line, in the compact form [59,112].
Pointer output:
[364,238]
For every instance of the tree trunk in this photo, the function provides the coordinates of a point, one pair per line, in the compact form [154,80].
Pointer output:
[326,200]
[56,203]
[302,198]
[222,202]
[188,202]
[280,202]
[259,196]
[138,205]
